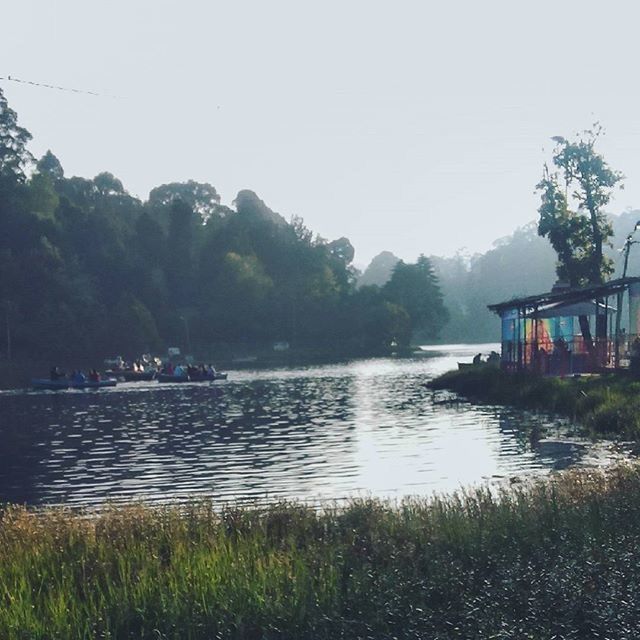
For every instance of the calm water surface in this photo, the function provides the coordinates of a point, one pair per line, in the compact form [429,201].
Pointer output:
[367,427]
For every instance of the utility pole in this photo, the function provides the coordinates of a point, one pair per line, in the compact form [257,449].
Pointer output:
[620,298]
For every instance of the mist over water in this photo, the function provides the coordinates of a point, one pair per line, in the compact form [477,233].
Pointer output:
[366,427]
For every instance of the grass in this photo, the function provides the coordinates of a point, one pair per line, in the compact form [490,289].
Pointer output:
[606,405]
[555,559]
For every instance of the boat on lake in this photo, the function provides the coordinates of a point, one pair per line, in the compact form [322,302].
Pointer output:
[207,377]
[129,375]
[170,377]
[196,376]
[46,384]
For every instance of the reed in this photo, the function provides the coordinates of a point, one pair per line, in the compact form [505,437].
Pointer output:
[556,558]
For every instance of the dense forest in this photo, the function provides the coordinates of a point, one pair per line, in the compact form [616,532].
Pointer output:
[88,270]
[517,265]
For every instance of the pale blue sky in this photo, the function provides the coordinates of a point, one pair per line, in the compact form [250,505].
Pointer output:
[407,126]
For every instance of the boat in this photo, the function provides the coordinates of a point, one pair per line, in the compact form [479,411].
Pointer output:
[64,383]
[207,377]
[169,377]
[94,384]
[466,365]
[130,375]
[50,385]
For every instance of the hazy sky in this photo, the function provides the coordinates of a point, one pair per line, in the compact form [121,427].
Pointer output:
[416,127]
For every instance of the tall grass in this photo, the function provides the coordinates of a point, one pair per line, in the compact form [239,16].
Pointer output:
[605,405]
[554,559]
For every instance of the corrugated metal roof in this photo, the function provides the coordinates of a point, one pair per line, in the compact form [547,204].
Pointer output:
[568,296]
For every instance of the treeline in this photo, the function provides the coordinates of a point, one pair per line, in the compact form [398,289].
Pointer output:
[520,264]
[86,269]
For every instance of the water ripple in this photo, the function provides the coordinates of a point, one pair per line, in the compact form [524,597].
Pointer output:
[312,433]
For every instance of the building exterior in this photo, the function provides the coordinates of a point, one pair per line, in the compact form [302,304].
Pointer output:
[571,330]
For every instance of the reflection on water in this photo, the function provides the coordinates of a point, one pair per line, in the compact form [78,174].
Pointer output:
[368,427]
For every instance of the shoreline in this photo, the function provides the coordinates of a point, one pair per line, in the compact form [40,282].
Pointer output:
[604,406]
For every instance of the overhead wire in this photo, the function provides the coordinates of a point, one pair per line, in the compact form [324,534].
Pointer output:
[56,87]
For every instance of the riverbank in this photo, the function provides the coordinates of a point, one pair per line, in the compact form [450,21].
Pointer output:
[554,559]
[605,405]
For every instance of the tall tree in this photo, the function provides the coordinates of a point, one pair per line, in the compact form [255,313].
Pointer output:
[415,288]
[581,178]
[578,233]
[50,165]
[200,196]
[14,156]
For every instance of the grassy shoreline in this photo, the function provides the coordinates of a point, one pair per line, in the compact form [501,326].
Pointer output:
[607,405]
[556,558]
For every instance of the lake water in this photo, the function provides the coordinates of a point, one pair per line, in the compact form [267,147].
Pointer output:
[366,427]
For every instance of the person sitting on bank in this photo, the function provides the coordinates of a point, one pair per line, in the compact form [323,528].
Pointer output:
[477,359]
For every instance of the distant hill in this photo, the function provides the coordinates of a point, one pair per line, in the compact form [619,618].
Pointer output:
[379,270]
[517,265]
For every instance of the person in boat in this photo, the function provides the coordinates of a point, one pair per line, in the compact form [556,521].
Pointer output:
[78,377]
[179,372]
[94,376]
[477,359]
[55,373]
[211,371]
[168,369]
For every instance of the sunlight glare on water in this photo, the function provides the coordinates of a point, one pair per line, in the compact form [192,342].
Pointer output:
[366,427]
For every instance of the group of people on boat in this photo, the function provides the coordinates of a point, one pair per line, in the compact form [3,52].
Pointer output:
[139,365]
[180,371]
[77,376]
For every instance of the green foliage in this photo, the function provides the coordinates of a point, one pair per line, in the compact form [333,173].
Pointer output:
[379,270]
[555,558]
[14,156]
[414,287]
[579,234]
[201,197]
[91,271]
[50,165]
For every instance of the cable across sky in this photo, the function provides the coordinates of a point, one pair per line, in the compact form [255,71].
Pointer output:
[56,87]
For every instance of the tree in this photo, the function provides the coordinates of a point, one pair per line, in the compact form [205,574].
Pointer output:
[200,196]
[50,165]
[578,233]
[14,155]
[249,205]
[379,270]
[415,288]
